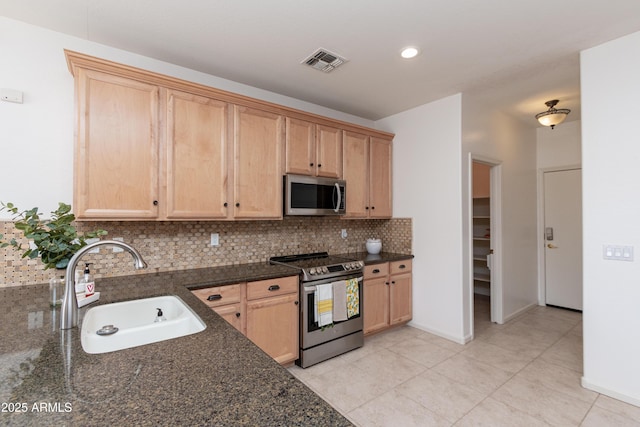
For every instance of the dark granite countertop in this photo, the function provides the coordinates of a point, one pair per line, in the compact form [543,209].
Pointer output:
[377,259]
[215,377]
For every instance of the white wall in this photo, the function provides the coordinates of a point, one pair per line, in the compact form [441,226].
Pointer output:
[426,187]
[610,82]
[37,136]
[500,137]
[560,146]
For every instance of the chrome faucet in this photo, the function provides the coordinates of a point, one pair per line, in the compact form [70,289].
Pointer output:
[69,309]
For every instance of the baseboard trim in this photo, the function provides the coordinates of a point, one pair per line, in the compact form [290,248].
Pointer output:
[458,340]
[608,392]
[519,312]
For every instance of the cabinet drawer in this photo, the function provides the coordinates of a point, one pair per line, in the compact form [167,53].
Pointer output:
[219,295]
[376,270]
[272,287]
[398,267]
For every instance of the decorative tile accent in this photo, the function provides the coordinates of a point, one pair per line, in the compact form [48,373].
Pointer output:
[170,246]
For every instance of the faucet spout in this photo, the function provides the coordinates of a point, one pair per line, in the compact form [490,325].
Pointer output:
[69,309]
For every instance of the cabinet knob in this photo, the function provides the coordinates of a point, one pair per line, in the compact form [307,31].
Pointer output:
[386,283]
[376,271]
[237,205]
[366,207]
[225,204]
[310,164]
[319,165]
[295,302]
[237,314]
[402,266]
[393,282]
[373,207]
[214,297]
[155,203]
[274,287]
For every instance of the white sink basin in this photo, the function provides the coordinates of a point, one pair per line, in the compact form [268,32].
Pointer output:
[136,324]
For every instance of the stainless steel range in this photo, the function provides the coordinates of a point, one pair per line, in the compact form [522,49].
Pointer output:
[331,305]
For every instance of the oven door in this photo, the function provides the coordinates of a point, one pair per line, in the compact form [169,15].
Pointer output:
[310,333]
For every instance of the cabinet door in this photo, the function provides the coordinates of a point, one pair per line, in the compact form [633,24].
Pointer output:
[196,163]
[328,151]
[380,178]
[355,161]
[232,313]
[116,169]
[300,147]
[272,324]
[258,150]
[400,298]
[376,304]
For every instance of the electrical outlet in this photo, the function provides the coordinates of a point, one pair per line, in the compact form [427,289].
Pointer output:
[343,234]
[115,248]
[215,239]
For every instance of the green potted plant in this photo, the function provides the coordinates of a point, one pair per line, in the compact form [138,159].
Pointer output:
[55,240]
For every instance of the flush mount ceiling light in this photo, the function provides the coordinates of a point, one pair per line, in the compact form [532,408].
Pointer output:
[409,52]
[552,116]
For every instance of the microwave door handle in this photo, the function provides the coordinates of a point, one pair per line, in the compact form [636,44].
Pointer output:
[337,205]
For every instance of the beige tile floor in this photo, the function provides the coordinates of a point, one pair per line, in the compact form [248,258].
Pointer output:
[523,373]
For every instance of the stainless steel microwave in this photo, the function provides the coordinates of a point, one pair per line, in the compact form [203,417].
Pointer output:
[309,195]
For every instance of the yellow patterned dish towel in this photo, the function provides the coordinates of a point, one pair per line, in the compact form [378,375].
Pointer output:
[353,298]
[324,296]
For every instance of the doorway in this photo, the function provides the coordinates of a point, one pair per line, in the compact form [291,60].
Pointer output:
[485,243]
[563,238]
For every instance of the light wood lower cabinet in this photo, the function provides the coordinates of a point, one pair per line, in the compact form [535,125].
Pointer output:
[387,295]
[227,301]
[266,311]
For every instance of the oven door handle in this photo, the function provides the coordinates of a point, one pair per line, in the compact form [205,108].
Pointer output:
[309,289]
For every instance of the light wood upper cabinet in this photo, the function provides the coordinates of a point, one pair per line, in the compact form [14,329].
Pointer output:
[258,150]
[328,151]
[379,178]
[300,145]
[367,170]
[313,149]
[356,164]
[154,147]
[116,164]
[196,163]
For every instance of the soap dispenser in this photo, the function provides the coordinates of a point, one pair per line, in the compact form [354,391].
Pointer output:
[86,285]
[160,316]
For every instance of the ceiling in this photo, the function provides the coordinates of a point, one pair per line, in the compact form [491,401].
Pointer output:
[513,54]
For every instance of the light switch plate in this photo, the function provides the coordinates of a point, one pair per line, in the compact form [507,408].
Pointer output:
[215,239]
[617,252]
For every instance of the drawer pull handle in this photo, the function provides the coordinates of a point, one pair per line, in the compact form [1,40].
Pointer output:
[214,297]
[274,287]
[376,271]
[402,266]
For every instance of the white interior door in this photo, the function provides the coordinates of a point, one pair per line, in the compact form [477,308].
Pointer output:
[563,238]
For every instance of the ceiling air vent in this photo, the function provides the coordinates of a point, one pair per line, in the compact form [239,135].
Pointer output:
[324,60]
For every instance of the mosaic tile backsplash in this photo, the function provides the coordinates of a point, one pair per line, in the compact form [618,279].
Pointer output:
[168,246]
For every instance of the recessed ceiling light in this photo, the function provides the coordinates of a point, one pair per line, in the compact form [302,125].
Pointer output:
[409,52]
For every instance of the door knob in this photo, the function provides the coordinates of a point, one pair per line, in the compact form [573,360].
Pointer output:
[550,246]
